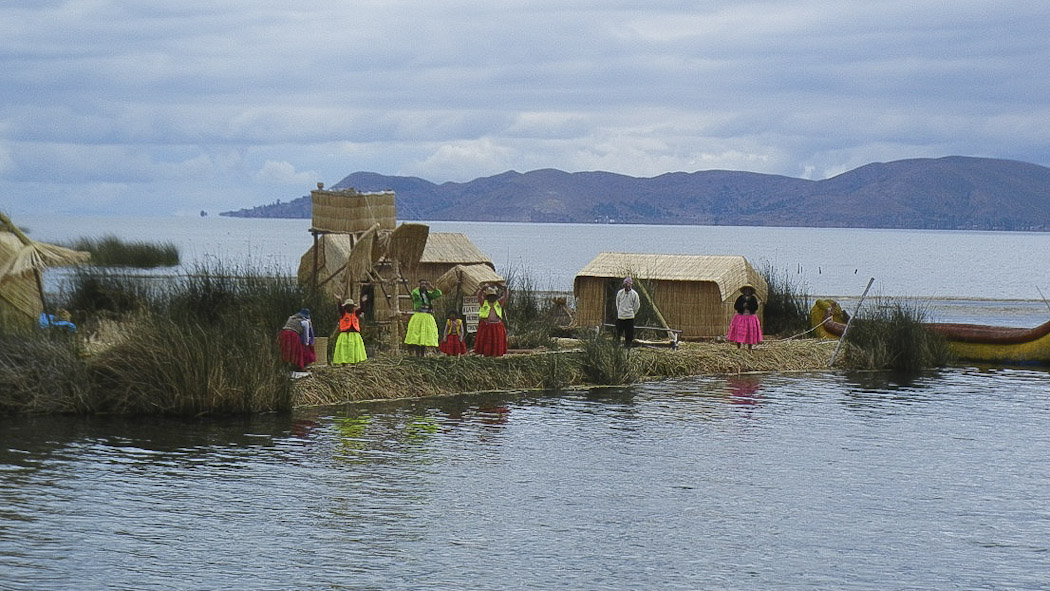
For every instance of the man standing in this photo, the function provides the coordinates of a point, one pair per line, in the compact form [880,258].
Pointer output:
[627,305]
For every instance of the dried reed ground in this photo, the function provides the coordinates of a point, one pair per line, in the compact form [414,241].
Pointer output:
[409,377]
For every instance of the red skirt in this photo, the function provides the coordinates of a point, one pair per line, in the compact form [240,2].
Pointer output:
[453,345]
[294,351]
[491,340]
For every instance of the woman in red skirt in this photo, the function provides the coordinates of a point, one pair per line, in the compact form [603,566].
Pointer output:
[296,340]
[491,340]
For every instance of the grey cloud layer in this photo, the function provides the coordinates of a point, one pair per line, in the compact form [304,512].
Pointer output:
[111,106]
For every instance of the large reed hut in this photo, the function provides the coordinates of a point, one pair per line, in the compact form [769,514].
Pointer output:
[693,294]
[360,252]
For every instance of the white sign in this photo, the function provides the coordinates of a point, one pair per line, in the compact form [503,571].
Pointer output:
[470,316]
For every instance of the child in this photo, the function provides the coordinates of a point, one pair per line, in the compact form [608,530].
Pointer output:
[349,347]
[452,337]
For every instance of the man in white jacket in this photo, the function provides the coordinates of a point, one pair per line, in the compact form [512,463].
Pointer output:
[627,305]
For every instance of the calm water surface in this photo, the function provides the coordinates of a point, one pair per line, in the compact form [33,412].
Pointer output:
[828,261]
[814,481]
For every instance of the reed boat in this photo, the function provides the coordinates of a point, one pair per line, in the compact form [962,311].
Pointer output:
[970,342]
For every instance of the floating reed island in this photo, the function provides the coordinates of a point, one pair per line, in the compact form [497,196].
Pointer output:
[577,363]
[204,341]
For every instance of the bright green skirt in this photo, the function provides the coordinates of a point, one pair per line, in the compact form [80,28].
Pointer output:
[422,330]
[349,348]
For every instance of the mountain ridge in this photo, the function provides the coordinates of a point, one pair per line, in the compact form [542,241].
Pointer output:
[953,192]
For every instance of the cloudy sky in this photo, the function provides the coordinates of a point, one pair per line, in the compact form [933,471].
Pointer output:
[121,107]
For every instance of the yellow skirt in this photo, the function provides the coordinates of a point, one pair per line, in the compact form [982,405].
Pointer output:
[422,330]
[349,348]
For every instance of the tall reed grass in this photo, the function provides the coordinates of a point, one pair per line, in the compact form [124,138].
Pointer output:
[42,372]
[528,319]
[110,251]
[890,335]
[786,311]
[189,345]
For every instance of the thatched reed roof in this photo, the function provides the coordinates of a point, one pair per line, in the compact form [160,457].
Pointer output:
[468,278]
[729,272]
[452,247]
[413,245]
[21,262]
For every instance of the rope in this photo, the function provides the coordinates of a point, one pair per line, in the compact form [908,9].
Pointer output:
[808,331]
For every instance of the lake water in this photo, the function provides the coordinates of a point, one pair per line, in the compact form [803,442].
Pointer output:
[993,277]
[822,480]
[790,482]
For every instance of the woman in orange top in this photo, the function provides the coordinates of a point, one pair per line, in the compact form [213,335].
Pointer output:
[349,347]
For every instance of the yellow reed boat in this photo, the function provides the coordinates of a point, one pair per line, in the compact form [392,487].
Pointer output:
[970,342]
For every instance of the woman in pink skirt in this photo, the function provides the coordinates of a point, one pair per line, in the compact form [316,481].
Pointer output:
[745,328]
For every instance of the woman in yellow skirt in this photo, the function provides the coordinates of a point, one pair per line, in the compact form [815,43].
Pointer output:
[349,347]
[422,329]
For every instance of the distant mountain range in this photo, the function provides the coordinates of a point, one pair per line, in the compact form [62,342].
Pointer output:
[954,192]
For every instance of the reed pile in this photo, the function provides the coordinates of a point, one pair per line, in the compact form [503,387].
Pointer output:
[574,366]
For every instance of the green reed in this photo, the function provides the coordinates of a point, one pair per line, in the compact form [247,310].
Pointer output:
[786,310]
[891,335]
[110,251]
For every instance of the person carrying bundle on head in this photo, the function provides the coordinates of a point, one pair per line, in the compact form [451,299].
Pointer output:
[491,340]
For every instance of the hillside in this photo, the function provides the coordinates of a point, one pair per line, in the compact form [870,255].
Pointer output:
[955,192]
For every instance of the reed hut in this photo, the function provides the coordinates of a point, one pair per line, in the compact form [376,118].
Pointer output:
[360,252]
[693,294]
[460,286]
[22,264]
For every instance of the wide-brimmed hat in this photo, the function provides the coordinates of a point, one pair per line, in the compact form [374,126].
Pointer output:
[490,290]
[305,312]
[349,302]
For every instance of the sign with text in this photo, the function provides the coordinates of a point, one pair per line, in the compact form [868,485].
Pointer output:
[470,316]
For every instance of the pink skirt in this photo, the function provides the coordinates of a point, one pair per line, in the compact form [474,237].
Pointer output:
[745,329]
[491,340]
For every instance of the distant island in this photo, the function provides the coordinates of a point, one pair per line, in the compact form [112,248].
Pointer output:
[951,193]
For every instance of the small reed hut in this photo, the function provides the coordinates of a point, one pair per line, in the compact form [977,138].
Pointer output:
[22,265]
[693,294]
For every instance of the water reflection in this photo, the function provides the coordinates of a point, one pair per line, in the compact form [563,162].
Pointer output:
[744,390]
[481,490]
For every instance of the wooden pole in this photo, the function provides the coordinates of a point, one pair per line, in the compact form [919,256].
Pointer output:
[842,338]
[395,312]
[316,254]
[656,310]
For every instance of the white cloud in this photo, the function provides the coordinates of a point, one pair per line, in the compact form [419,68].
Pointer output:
[284,173]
